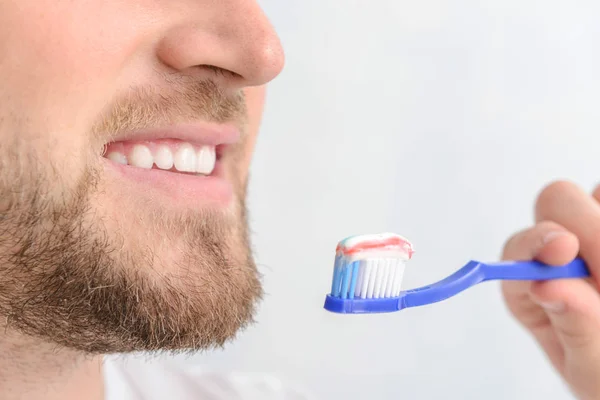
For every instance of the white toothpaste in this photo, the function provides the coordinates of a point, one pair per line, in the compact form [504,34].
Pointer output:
[380,245]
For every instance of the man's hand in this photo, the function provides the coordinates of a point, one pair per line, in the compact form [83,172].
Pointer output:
[563,315]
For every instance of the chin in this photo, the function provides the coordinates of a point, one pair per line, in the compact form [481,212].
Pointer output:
[104,275]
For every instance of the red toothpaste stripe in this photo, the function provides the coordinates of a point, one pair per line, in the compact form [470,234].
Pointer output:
[392,243]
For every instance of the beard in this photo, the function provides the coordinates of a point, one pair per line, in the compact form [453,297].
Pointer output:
[71,276]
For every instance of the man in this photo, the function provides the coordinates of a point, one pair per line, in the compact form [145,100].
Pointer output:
[99,253]
[127,129]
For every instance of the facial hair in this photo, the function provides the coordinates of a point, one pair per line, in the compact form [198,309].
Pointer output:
[67,279]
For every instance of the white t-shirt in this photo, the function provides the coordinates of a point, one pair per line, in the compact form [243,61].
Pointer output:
[139,379]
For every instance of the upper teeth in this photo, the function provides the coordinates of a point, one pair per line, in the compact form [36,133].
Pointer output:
[184,157]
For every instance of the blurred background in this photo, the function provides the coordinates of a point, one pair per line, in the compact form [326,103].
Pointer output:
[438,120]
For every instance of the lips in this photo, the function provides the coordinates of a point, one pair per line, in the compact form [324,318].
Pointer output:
[199,133]
[180,164]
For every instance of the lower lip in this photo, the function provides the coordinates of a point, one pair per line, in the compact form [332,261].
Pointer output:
[173,188]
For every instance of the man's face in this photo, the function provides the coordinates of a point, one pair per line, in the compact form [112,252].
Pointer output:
[126,131]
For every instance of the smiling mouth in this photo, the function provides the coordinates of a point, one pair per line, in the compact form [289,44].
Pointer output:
[169,155]
[181,166]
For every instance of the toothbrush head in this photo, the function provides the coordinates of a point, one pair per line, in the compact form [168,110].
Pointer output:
[368,272]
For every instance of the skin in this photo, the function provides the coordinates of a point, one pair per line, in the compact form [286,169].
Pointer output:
[89,263]
[563,316]
[72,255]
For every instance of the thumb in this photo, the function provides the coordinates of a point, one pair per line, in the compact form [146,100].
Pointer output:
[573,307]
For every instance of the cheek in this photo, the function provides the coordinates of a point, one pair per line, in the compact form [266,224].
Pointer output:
[59,61]
[255,98]
[61,56]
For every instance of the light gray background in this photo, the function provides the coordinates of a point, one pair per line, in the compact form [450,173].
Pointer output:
[439,120]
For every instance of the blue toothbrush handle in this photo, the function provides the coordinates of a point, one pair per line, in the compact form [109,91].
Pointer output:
[476,272]
[534,270]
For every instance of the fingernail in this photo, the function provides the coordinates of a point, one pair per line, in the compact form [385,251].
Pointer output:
[553,307]
[553,236]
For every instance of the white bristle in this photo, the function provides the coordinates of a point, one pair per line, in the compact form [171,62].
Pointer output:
[376,278]
[366,279]
[380,277]
[398,280]
[386,272]
[394,278]
[384,280]
[372,281]
[359,281]
[390,280]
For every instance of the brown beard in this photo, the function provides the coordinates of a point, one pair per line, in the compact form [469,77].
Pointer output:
[66,279]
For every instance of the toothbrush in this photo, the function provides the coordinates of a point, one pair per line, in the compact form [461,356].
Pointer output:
[368,272]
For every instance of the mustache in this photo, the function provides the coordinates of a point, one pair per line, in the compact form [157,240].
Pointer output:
[183,100]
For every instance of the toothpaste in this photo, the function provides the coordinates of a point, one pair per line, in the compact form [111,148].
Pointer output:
[381,245]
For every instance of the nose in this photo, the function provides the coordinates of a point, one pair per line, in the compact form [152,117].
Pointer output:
[233,36]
